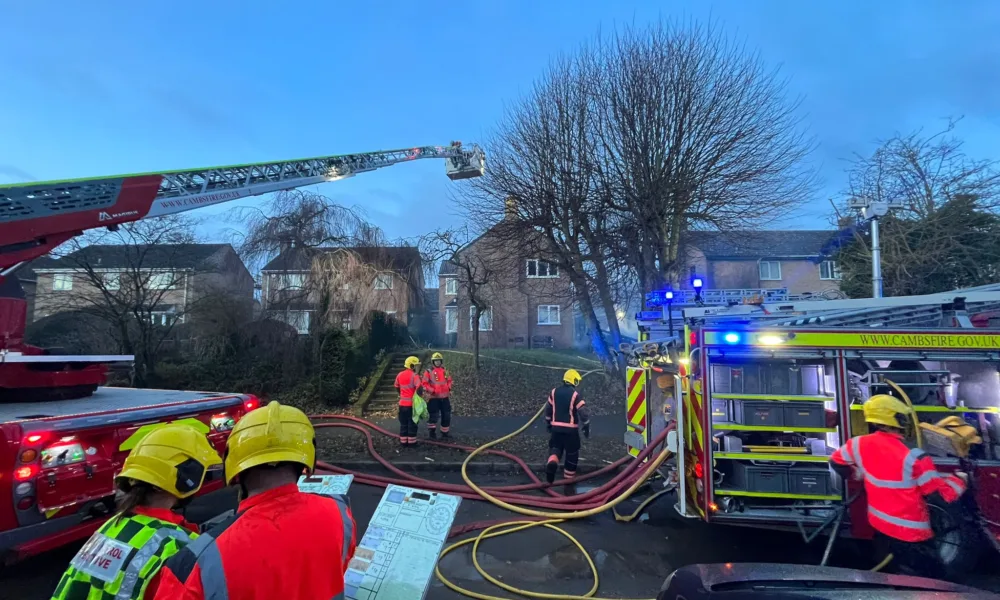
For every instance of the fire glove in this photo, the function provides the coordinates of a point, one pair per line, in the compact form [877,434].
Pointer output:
[586,430]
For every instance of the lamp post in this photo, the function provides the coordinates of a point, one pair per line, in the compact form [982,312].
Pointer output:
[873,210]
[669,296]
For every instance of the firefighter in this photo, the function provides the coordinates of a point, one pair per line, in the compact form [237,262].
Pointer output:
[438,383]
[281,543]
[408,383]
[897,480]
[565,415]
[122,559]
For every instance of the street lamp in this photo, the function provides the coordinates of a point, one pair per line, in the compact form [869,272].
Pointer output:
[873,210]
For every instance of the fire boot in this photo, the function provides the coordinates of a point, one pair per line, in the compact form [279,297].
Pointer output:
[446,434]
[551,467]
[432,433]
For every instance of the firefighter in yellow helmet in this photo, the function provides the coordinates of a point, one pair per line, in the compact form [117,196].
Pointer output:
[897,481]
[565,416]
[122,559]
[282,543]
[407,384]
[437,381]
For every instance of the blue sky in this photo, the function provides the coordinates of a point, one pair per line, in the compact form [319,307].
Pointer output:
[99,88]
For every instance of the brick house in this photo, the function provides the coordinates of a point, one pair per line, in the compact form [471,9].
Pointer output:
[750,260]
[344,283]
[530,302]
[174,277]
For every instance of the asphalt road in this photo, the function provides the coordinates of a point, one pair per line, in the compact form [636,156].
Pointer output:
[633,559]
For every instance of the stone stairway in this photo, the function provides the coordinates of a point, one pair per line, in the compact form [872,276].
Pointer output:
[385,396]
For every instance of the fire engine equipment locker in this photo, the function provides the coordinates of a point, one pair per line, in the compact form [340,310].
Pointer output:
[759,478]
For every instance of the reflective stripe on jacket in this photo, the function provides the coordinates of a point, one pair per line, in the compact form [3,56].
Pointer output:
[896,480]
[121,558]
[282,544]
[438,382]
[407,382]
[565,408]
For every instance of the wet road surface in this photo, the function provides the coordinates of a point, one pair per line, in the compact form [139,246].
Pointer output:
[633,559]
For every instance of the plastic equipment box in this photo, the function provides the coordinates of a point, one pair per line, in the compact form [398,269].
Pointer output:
[812,480]
[804,414]
[746,412]
[780,379]
[760,478]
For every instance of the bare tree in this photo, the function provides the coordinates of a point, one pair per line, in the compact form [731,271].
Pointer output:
[131,279]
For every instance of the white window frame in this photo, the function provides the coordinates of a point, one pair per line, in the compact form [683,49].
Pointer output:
[547,309]
[62,282]
[156,281]
[832,271]
[112,281]
[486,315]
[771,265]
[552,270]
[380,281]
[162,317]
[451,317]
[300,324]
[451,286]
[292,281]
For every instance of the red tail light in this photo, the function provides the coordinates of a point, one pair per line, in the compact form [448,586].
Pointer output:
[698,470]
[25,503]
[251,403]
[35,438]
[693,339]
[26,472]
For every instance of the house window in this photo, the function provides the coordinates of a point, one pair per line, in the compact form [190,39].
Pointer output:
[829,269]
[770,270]
[548,314]
[299,319]
[450,319]
[62,282]
[345,323]
[161,281]
[383,281]
[451,287]
[162,317]
[485,318]
[112,281]
[540,269]
[293,281]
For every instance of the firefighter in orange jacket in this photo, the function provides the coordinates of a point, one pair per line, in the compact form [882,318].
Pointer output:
[565,416]
[408,383]
[282,543]
[897,480]
[438,382]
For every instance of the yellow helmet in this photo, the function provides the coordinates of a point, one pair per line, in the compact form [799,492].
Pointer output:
[411,362]
[572,377]
[437,356]
[885,410]
[273,434]
[173,457]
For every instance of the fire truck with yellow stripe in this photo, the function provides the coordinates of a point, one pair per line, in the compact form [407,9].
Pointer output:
[768,389]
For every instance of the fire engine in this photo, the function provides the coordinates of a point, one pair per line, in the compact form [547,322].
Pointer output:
[64,436]
[768,389]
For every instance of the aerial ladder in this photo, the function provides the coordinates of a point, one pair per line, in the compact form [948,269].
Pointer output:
[37,217]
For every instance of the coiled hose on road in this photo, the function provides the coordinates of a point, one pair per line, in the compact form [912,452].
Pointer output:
[622,485]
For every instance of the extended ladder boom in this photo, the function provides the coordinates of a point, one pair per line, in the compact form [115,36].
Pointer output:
[36,217]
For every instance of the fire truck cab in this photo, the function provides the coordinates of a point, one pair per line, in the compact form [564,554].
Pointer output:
[768,392]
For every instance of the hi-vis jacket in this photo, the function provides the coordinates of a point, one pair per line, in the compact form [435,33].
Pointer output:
[407,382]
[122,559]
[565,409]
[438,382]
[896,480]
[282,544]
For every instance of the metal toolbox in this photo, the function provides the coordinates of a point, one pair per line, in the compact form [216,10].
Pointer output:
[750,412]
[759,478]
[811,480]
[804,414]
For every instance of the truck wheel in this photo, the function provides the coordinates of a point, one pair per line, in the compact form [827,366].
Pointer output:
[958,540]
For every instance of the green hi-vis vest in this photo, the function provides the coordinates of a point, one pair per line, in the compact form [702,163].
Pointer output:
[118,561]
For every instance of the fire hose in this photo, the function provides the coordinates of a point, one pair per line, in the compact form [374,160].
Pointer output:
[622,485]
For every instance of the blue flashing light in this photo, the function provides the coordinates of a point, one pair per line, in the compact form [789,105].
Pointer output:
[659,298]
[697,283]
[731,338]
[668,295]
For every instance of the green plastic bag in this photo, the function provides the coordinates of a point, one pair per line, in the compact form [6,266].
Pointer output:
[419,409]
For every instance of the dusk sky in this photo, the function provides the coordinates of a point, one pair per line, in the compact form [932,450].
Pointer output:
[100,88]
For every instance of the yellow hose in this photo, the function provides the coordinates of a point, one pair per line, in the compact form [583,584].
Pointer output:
[913,412]
[552,519]
[885,561]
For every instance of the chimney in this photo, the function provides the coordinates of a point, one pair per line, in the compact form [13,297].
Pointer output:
[510,208]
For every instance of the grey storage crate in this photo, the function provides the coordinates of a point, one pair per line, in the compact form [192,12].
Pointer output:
[811,480]
[759,478]
[736,379]
[775,378]
[804,414]
[756,412]
[720,411]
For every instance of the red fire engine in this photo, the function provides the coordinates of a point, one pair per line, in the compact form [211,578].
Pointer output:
[767,391]
[62,436]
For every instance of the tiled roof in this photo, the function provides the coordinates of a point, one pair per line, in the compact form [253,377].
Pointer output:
[153,256]
[760,244]
[399,258]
